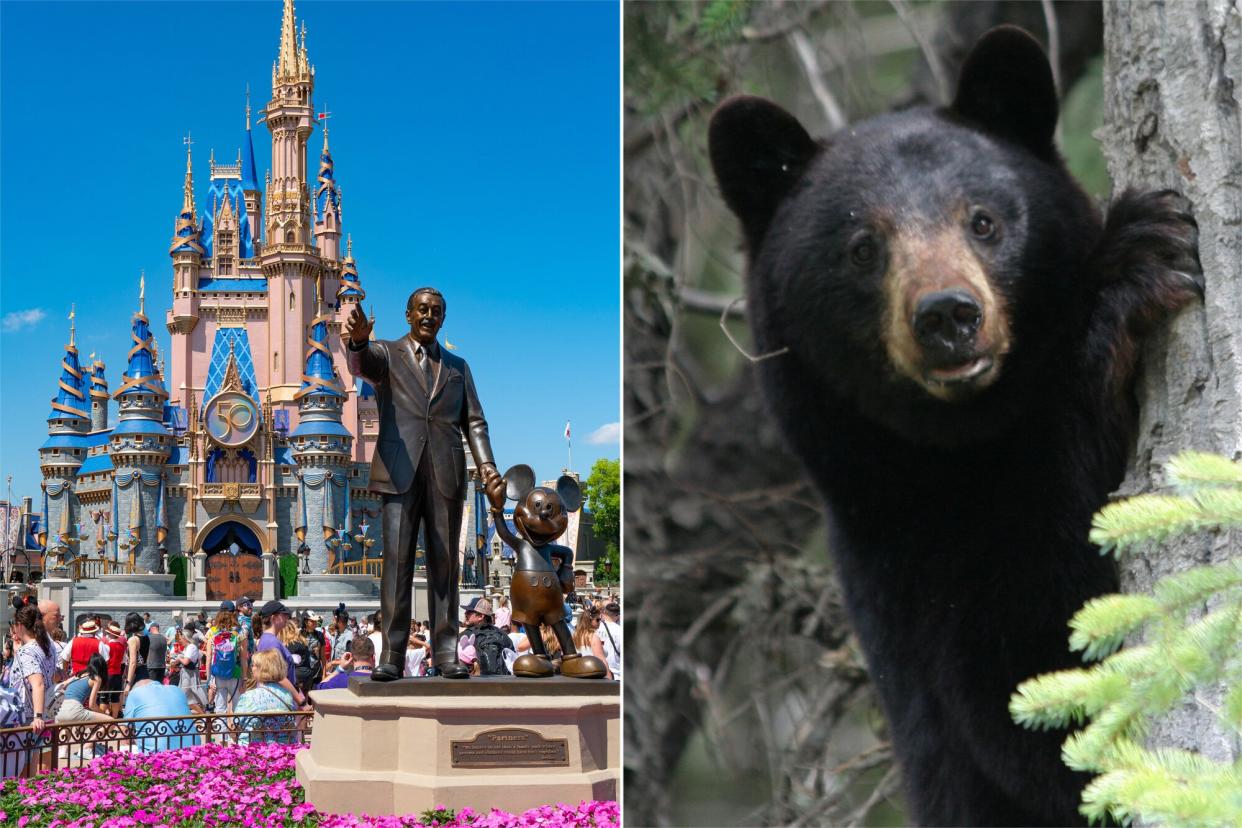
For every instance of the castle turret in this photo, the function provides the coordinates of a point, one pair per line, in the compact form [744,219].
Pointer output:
[290,262]
[290,117]
[322,447]
[250,182]
[186,247]
[187,251]
[139,446]
[99,396]
[327,205]
[62,454]
[351,286]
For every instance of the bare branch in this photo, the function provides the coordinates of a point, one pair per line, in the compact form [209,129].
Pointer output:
[929,54]
[834,115]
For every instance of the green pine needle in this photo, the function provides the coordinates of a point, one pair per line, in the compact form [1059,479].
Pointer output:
[1191,626]
[1144,518]
[1194,586]
[1193,470]
[1232,711]
[1103,623]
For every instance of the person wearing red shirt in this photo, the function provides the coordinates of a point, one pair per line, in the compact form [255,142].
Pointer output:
[84,645]
[115,640]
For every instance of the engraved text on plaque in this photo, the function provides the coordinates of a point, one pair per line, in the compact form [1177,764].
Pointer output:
[510,747]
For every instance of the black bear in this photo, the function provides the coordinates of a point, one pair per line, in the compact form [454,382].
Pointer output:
[952,334]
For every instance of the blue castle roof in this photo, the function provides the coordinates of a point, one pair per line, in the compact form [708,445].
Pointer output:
[219,189]
[326,194]
[59,441]
[319,376]
[140,376]
[351,285]
[327,428]
[96,464]
[187,231]
[249,180]
[70,400]
[234,285]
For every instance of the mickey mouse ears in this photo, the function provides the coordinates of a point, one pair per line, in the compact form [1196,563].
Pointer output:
[519,480]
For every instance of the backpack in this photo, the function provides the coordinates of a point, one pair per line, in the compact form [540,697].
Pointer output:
[224,655]
[489,646]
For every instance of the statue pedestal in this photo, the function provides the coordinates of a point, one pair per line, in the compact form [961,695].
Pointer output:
[407,746]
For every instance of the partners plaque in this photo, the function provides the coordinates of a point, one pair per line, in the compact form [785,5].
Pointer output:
[510,747]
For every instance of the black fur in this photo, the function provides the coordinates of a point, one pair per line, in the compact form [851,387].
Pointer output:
[959,528]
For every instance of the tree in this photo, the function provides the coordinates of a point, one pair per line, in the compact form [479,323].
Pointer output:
[603,501]
[1172,119]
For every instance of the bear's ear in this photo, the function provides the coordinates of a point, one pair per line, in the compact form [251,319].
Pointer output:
[570,493]
[758,152]
[1006,87]
[519,480]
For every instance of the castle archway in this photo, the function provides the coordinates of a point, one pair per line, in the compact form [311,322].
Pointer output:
[234,568]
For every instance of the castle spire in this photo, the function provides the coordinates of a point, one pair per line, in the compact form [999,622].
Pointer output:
[187,194]
[319,376]
[142,292]
[185,229]
[141,376]
[70,401]
[250,181]
[351,285]
[288,61]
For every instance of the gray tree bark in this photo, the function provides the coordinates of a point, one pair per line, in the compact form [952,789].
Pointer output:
[1171,79]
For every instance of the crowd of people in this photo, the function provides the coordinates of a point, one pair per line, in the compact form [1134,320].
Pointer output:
[244,660]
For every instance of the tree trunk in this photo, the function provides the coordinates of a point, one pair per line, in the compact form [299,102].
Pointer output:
[1171,121]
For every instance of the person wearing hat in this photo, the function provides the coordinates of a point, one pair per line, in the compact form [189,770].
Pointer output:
[246,621]
[274,615]
[482,642]
[86,644]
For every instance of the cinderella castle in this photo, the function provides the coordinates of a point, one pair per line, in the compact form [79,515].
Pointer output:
[239,461]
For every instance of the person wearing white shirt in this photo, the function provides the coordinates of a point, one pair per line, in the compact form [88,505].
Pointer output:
[606,641]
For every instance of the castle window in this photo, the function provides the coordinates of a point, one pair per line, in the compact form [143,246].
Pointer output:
[292,298]
[289,237]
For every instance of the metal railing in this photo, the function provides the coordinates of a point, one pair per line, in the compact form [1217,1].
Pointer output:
[73,744]
[80,568]
[367,566]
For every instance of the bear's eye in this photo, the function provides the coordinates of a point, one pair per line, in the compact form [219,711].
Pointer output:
[862,251]
[982,225]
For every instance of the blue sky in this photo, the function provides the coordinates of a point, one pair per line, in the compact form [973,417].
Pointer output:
[477,149]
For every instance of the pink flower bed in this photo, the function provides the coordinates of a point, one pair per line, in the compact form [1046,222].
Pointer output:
[218,785]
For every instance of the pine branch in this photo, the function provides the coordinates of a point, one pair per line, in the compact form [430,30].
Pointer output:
[1143,518]
[1192,470]
[1194,586]
[1101,626]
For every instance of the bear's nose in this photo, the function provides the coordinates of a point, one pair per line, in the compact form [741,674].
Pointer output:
[946,319]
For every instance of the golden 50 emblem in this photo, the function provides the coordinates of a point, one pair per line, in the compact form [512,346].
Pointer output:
[232,418]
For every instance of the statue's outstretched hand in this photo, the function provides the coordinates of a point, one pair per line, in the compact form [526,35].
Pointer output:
[358,327]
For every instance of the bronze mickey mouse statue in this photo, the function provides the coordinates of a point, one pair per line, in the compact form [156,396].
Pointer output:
[538,590]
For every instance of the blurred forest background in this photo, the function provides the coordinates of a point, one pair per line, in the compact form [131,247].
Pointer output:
[747,701]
